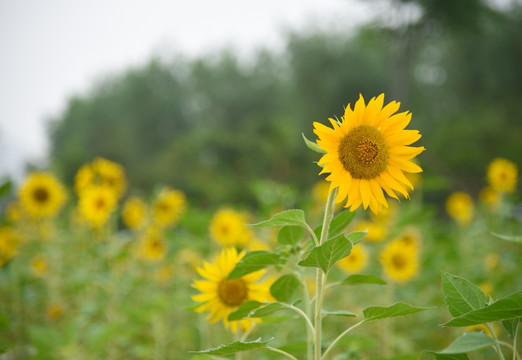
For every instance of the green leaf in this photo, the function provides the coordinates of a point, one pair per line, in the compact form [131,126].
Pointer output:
[399,309]
[325,256]
[290,235]
[461,296]
[235,347]
[268,310]
[363,279]
[285,288]
[468,342]
[509,307]
[244,310]
[449,356]
[5,188]
[514,238]
[313,146]
[253,261]
[338,313]
[511,326]
[339,223]
[294,217]
[356,237]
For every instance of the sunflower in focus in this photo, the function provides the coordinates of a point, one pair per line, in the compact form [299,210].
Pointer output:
[221,296]
[96,204]
[502,175]
[152,246]
[168,207]
[134,213]
[399,262]
[227,227]
[9,242]
[356,261]
[459,207]
[367,152]
[41,195]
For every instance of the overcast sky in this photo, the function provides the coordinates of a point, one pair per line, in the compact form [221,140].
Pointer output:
[51,49]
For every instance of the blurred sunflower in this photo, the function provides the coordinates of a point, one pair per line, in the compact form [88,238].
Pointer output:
[168,207]
[134,213]
[356,261]
[164,274]
[101,172]
[502,175]
[41,195]
[376,230]
[367,152]
[459,207]
[399,262]
[410,237]
[221,296]
[152,246]
[13,211]
[39,266]
[96,204]
[490,197]
[54,311]
[9,242]
[84,178]
[227,227]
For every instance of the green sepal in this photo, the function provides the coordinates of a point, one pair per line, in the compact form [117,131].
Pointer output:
[312,145]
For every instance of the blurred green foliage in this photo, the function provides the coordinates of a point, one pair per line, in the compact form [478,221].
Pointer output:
[214,125]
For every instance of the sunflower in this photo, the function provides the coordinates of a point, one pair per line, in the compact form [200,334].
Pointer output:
[168,207]
[39,266]
[227,227]
[9,242]
[376,230]
[410,237]
[221,296]
[96,204]
[134,213]
[152,246]
[367,152]
[399,261]
[101,172]
[13,211]
[502,175]
[459,207]
[356,261]
[41,195]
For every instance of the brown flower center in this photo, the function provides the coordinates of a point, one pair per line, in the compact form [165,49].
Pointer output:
[398,261]
[363,152]
[41,195]
[232,292]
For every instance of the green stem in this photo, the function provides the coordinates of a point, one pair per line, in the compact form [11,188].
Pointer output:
[320,276]
[309,229]
[339,338]
[303,315]
[511,347]
[290,356]
[308,312]
[515,353]
[237,337]
[497,345]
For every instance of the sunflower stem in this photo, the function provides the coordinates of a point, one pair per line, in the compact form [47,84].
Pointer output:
[290,356]
[320,275]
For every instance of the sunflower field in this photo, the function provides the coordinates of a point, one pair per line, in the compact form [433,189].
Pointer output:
[355,196]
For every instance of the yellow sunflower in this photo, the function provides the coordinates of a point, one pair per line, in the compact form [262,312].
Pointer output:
[101,172]
[367,152]
[376,230]
[13,211]
[227,227]
[152,246]
[356,261]
[84,178]
[410,237]
[39,266]
[9,242]
[502,175]
[459,207]
[399,262]
[220,296]
[134,213]
[96,204]
[168,207]
[490,198]
[41,195]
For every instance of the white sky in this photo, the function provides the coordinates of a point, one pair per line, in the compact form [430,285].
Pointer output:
[51,49]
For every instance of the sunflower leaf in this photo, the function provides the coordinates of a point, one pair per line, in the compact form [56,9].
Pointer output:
[268,309]
[339,223]
[290,235]
[381,312]
[294,217]
[253,261]
[244,310]
[313,146]
[509,307]
[285,288]
[468,342]
[461,296]
[235,347]
[326,255]
[359,279]
[337,313]
[513,238]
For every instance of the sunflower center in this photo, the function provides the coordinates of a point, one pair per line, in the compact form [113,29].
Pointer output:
[232,292]
[41,195]
[398,261]
[363,152]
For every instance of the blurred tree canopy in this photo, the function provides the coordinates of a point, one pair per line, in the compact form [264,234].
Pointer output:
[216,125]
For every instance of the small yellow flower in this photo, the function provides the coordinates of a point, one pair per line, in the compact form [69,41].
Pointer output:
[84,178]
[221,296]
[356,261]
[168,207]
[459,207]
[152,246]
[96,204]
[13,211]
[9,242]
[490,197]
[227,227]
[368,152]
[164,274]
[399,262]
[410,237]
[491,261]
[502,175]
[39,266]
[376,230]
[54,311]
[134,213]
[41,195]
